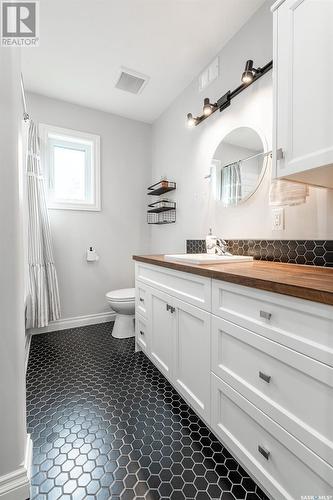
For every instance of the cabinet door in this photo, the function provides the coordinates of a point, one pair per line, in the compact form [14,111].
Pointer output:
[161,328]
[192,356]
[303,72]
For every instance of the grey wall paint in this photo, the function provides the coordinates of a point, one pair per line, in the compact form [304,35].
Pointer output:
[120,229]
[183,154]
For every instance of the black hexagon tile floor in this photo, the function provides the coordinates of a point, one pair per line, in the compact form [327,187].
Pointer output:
[106,424]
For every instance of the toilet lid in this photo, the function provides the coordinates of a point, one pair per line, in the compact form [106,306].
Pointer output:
[122,295]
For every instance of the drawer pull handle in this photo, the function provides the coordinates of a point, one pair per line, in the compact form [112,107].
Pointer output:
[170,308]
[167,307]
[279,154]
[263,452]
[266,378]
[141,332]
[266,315]
[141,299]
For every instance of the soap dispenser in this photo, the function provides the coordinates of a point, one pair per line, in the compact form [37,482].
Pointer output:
[210,242]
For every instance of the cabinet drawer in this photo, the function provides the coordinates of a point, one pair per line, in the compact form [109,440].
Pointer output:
[284,466]
[298,324]
[195,290]
[293,389]
[141,332]
[141,299]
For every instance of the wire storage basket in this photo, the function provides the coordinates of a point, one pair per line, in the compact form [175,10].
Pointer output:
[161,217]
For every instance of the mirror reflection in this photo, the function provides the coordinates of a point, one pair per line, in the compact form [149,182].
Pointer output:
[239,163]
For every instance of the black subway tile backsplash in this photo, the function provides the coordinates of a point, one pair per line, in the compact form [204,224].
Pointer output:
[309,252]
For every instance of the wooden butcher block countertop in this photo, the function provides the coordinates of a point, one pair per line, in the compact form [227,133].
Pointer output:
[305,282]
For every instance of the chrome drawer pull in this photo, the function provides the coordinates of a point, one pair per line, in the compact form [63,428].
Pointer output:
[141,332]
[266,315]
[141,299]
[266,378]
[264,453]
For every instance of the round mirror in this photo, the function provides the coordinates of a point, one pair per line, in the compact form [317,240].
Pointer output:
[240,163]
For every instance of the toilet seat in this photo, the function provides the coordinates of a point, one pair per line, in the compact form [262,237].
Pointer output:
[122,295]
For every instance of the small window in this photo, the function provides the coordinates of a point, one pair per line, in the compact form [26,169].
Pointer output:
[71,164]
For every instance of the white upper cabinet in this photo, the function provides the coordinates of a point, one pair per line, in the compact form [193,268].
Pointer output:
[303,102]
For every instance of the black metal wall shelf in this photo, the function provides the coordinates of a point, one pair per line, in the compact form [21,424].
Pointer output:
[161,211]
[161,188]
[161,206]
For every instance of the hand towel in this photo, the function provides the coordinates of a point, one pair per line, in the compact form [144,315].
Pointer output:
[283,192]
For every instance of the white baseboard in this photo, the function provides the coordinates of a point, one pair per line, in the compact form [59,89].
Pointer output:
[16,484]
[65,323]
[27,349]
[28,456]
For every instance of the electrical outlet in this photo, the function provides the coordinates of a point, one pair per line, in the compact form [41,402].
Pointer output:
[278,219]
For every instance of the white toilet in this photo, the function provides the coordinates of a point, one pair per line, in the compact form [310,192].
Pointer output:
[123,303]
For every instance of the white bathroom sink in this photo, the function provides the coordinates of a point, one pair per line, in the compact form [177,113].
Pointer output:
[206,258]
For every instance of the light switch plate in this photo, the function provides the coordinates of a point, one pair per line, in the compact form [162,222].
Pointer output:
[278,223]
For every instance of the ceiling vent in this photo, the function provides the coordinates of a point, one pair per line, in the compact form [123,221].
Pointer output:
[131,81]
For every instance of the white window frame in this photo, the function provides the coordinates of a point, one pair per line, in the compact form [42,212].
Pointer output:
[48,132]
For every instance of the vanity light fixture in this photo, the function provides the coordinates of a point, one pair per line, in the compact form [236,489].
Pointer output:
[249,76]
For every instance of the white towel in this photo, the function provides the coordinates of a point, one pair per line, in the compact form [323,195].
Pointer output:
[290,193]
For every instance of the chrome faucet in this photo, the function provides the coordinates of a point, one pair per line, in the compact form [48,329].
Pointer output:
[221,247]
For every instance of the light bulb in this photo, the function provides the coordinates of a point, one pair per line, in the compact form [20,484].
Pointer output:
[249,72]
[247,77]
[208,108]
[191,122]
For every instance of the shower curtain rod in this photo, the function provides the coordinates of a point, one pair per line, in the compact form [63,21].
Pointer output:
[24,102]
[268,153]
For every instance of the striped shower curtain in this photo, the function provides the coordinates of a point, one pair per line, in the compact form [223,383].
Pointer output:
[231,193]
[43,303]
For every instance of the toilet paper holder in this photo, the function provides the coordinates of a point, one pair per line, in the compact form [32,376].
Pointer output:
[92,255]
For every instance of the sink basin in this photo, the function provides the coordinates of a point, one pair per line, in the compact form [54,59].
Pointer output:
[206,258]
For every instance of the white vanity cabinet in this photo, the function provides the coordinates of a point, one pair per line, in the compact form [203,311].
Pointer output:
[303,98]
[256,366]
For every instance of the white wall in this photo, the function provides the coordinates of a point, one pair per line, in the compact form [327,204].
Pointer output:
[184,154]
[120,229]
[13,436]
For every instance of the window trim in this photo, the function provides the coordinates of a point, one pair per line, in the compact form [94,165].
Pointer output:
[45,131]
